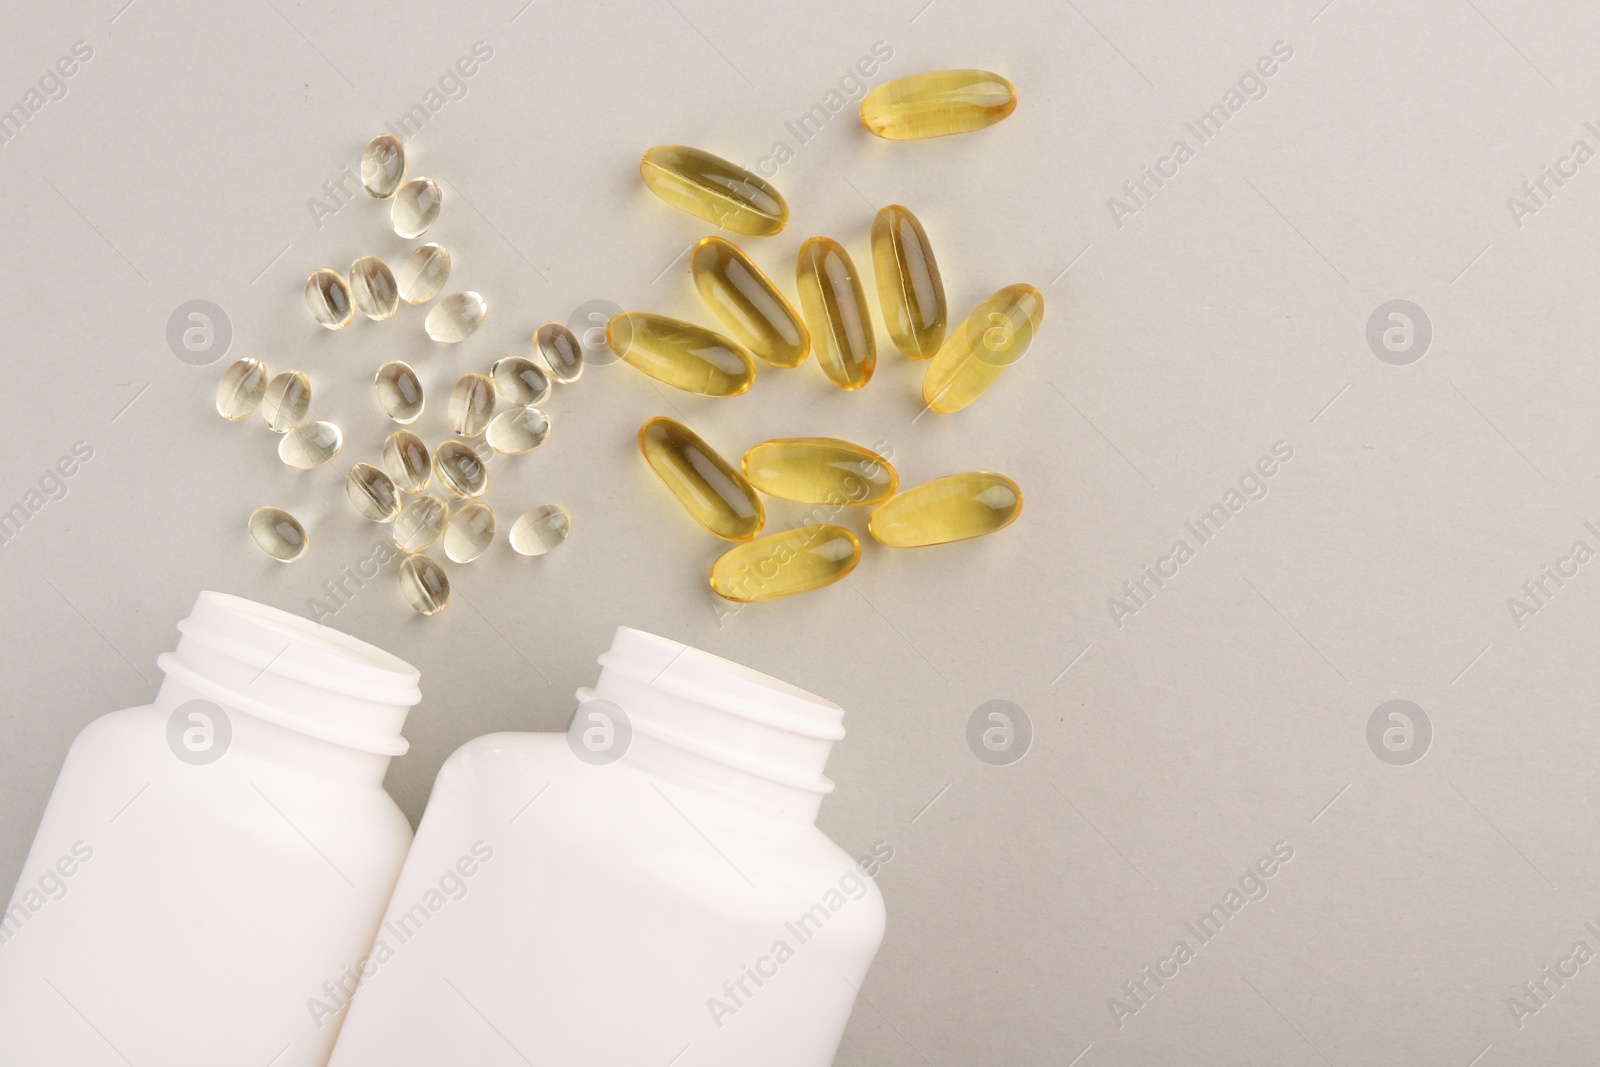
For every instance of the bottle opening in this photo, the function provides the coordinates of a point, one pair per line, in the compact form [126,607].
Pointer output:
[719,726]
[294,673]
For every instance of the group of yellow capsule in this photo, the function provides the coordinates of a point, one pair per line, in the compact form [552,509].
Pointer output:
[835,322]
[394,493]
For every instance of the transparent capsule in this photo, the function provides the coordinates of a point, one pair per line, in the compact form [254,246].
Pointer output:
[560,350]
[520,380]
[713,189]
[469,532]
[519,430]
[471,404]
[372,288]
[310,444]
[423,273]
[460,470]
[383,166]
[710,490]
[240,389]
[680,354]
[791,561]
[420,522]
[910,290]
[993,337]
[424,584]
[937,103]
[745,301]
[328,298]
[836,313]
[278,533]
[286,401]
[820,470]
[416,206]
[541,529]
[399,392]
[953,508]
[456,317]
[407,461]
[372,493]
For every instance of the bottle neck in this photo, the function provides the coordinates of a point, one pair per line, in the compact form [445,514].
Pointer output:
[723,730]
[289,690]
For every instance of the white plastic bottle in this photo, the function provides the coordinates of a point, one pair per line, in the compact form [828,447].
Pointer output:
[209,861]
[647,888]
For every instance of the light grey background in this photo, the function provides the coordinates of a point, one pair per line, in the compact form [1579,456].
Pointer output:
[1229,313]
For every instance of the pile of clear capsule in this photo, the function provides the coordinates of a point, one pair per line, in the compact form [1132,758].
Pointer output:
[430,498]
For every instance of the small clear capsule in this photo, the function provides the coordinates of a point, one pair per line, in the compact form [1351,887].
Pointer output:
[456,317]
[471,404]
[560,351]
[420,522]
[680,354]
[460,470]
[372,288]
[791,561]
[993,337]
[937,103]
[745,301]
[286,401]
[713,189]
[517,431]
[383,166]
[520,380]
[469,532]
[424,584]
[372,493]
[278,534]
[407,461]
[416,206]
[910,290]
[541,529]
[423,273]
[953,508]
[399,392]
[820,470]
[240,389]
[328,298]
[710,490]
[310,444]
[836,313]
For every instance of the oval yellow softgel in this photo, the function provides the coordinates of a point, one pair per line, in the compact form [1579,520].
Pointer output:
[819,470]
[745,301]
[836,313]
[680,354]
[711,188]
[792,561]
[953,508]
[994,336]
[910,290]
[937,103]
[710,490]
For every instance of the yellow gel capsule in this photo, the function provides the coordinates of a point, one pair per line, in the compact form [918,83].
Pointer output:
[745,301]
[710,490]
[836,313]
[819,470]
[953,508]
[713,189]
[937,103]
[680,354]
[910,291]
[792,561]
[993,337]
